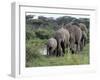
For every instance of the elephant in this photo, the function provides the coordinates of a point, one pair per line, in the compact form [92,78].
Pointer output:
[75,37]
[83,27]
[84,34]
[80,24]
[51,46]
[83,40]
[62,36]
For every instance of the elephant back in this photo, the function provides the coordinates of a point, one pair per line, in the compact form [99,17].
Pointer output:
[75,32]
[52,42]
[62,34]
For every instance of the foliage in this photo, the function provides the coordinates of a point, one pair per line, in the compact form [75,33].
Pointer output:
[68,59]
[64,19]
[32,48]
[43,33]
[30,35]
[31,52]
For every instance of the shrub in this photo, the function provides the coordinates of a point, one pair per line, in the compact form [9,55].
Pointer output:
[32,52]
[30,35]
[43,33]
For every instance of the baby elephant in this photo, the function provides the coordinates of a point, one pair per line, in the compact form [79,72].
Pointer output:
[51,47]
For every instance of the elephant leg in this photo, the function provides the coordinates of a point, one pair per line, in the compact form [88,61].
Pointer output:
[60,53]
[50,51]
[78,47]
[59,49]
[55,52]
[63,47]
[85,42]
[73,48]
[47,51]
[68,47]
[81,45]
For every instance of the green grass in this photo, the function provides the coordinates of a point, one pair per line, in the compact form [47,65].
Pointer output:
[67,59]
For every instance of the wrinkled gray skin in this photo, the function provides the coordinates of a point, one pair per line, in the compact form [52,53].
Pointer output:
[83,27]
[62,36]
[51,46]
[75,37]
[83,40]
[84,34]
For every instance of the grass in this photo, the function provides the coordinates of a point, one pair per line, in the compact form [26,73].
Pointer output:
[67,59]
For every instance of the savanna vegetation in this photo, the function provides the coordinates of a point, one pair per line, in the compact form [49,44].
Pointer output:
[39,30]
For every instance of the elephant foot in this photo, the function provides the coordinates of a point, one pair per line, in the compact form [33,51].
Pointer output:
[62,54]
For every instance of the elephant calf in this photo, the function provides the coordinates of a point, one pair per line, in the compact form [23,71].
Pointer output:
[51,46]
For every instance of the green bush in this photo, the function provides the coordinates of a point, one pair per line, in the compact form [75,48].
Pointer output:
[43,33]
[67,59]
[32,52]
[30,35]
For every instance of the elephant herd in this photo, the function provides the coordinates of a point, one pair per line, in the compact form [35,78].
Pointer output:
[70,36]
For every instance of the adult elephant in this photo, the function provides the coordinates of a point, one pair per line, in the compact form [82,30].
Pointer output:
[62,36]
[84,34]
[51,46]
[83,27]
[75,37]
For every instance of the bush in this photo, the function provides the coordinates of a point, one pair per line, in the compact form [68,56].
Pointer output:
[43,33]
[30,35]
[32,52]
